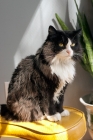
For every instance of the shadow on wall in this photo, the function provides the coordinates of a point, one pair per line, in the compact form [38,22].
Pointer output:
[85,7]
[14,18]
[29,36]
[70,16]
[37,29]
[83,83]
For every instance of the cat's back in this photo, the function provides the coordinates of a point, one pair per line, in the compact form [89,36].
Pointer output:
[22,73]
[26,65]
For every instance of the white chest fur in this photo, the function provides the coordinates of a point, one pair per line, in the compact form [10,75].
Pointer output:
[65,71]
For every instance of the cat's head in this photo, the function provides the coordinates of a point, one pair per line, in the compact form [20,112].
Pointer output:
[61,44]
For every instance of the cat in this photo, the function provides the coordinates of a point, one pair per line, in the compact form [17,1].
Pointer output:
[37,86]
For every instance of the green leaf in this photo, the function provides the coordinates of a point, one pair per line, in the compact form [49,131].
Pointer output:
[87,39]
[87,27]
[61,23]
[92,2]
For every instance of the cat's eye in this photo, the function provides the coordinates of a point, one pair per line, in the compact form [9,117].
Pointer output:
[60,44]
[73,44]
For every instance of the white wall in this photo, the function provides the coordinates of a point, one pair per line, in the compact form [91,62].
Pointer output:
[23,28]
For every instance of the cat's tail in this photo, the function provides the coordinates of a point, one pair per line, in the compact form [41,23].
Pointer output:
[3,109]
[4,112]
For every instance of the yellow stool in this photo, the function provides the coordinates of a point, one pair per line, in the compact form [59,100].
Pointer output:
[72,127]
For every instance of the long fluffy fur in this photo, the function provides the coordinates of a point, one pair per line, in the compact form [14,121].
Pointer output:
[39,82]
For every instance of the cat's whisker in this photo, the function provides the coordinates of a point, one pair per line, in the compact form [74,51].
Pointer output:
[78,54]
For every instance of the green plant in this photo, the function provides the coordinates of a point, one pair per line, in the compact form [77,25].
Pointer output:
[86,39]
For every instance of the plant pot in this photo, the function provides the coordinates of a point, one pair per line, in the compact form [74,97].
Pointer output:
[87,101]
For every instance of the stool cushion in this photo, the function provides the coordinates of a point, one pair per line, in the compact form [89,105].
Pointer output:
[71,127]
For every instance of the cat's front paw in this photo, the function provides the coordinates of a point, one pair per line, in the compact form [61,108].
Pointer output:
[65,113]
[54,118]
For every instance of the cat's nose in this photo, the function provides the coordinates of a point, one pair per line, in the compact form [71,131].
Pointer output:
[68,51]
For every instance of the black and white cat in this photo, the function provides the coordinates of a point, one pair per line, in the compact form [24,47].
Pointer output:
[37,87]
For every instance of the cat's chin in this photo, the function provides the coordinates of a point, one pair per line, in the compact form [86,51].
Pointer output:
[67,58]
[62,59]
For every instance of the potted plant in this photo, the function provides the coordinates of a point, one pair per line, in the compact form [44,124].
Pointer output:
[86,41]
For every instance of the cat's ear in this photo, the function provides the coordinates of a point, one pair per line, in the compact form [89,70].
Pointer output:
[51,30]
[73,34]
[77,32]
